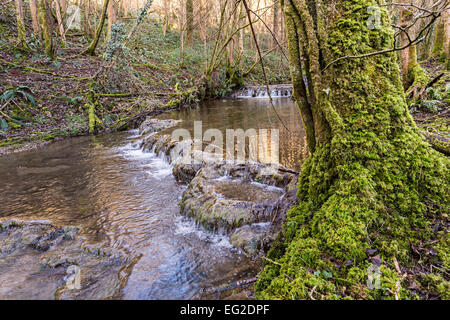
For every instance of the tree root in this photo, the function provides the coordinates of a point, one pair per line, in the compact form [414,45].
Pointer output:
[438,142]
[44,71]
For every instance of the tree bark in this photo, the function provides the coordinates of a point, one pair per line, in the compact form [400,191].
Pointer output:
[413,74]
[276,21]
[34,17]
[47,27]
[59,17]
[21,31]
[190,22]
[371,174]
[91,49]
[111,18]
[441,42]
[166,17]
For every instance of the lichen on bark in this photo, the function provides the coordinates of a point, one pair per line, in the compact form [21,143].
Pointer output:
[372,183]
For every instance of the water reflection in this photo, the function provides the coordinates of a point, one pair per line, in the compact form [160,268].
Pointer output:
[127,198]
[251,114]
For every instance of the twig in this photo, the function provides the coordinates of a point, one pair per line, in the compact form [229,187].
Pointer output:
[397,267]
[418,39]
[262,63]
[44,71]
[3,106]
[271,261]
[311,293]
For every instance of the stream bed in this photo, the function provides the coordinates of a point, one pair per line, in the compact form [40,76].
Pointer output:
[128,199]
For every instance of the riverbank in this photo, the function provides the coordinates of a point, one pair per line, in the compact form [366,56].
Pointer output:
[43,100]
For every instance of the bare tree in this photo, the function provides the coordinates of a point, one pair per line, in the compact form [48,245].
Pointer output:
[111,17]
[34,17]
[47,27]
[91,49]
[21,31]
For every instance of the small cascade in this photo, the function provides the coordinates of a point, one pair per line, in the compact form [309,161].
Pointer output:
[276,91]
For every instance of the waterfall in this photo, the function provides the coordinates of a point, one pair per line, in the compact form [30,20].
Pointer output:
[276,91]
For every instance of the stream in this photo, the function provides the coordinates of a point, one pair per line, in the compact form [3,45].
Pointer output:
[128,199]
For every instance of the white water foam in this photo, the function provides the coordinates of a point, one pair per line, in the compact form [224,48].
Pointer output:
[267,187]
[185,226]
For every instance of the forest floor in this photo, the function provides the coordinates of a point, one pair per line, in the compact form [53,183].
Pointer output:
[433,111]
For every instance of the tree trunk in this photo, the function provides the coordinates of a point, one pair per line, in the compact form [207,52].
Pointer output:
[85,7]
[276,21]
[441,42]
[21,32]
[413,74]
[91,49]
[111,18]
[370,176]
[125,7]
[47,27]
[166,17]
[34,17]
[59,17]
[190,22]
[447,37]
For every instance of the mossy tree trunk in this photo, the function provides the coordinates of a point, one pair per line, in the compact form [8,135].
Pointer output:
[34,18]
[47,27]
[21,31]
[415,77]
[190,22]
[438,47]
[372,183]
[91,49]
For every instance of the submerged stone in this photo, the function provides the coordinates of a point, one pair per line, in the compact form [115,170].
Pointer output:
[41,261]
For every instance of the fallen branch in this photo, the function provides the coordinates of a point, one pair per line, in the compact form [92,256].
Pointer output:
[432,82]
[438,142]
[44,71]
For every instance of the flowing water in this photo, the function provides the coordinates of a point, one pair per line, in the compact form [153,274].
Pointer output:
[128,199]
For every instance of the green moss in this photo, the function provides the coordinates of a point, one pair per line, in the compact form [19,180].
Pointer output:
[437,284]
[368,184]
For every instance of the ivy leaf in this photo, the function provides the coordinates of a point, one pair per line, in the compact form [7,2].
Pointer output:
[3,125]
[8,95]
[29,97]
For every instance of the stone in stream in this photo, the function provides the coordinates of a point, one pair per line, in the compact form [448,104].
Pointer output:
[37,260]
[246,200]
[155,125]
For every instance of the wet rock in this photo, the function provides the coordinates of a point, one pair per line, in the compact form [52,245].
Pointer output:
[241,199]
[35,257]
[261,91]
[156,125]
[252,238]
[230,198]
